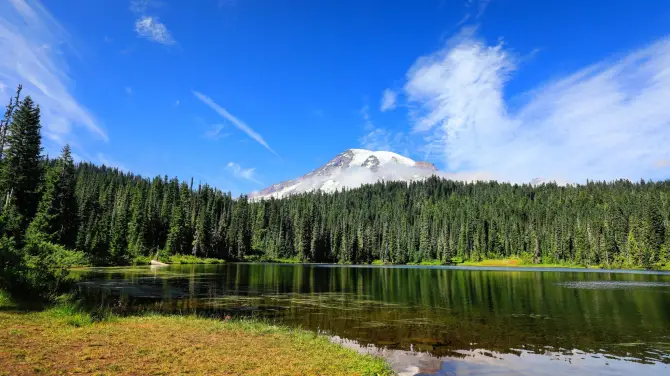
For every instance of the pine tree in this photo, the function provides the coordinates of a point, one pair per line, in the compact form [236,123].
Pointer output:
[68,209]
[176,237]
[56,218]
[21,170]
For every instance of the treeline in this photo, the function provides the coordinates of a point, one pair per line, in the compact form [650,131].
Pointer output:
[113,218]
[618,224]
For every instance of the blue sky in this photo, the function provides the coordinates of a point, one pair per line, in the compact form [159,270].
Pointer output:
[245,93]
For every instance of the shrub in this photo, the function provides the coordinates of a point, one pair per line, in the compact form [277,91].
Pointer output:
[37,273]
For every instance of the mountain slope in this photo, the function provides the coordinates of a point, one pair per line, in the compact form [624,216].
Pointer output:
[351,169]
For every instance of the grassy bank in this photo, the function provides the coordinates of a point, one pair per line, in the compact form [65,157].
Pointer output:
[63,340]
[177,259]
[521,263]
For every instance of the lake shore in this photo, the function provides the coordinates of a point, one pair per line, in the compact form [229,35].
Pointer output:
[36,342]
[510,262]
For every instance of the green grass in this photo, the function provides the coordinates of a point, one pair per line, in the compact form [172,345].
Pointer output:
[517,262]
[427,263]
[177,259]
[278,260]
[188,259]
[380,262]
[6,301]
[67,340]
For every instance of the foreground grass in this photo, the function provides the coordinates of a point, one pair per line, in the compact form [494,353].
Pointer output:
[63,340]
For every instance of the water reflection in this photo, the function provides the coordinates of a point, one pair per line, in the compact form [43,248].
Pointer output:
[484,362]
[440,312]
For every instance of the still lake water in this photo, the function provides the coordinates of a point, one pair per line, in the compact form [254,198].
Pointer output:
[427,320]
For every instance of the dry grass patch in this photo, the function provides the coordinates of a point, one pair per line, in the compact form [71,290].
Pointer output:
[62,341]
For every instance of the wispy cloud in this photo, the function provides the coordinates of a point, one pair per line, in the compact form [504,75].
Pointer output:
[153,29]
[365,113]
[479,6]
[388,100]
[609,120]
[382,139]
[243,173]
[482,5]
[215,132]
[379,138]
[139,6]
[176,103]
[33,48]
[105,160]
[235,121]
[129,90]
[149,26]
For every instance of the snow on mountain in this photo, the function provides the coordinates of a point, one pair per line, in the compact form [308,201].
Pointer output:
[351,169]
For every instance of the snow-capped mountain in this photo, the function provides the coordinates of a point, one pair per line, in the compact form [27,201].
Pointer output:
[351,169]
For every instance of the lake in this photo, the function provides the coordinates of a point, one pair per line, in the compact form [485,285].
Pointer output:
[426,320]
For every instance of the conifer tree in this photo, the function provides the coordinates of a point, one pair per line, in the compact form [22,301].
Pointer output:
[21,169]
[56,218]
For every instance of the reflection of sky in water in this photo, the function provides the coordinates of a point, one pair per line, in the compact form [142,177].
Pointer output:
[484,362]
[612,284]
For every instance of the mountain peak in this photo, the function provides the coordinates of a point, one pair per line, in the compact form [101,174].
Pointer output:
[350,169]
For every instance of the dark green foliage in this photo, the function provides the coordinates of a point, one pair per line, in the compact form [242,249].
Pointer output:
[21,170]
[608,224]
[32,266]
[56,218]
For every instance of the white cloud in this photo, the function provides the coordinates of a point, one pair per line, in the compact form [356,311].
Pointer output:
[609,120]
[2,87]
[214,133]
[236,122]
[33,47]
[153,29]
[176,103]
[243,173]
[388,100]
[129,90]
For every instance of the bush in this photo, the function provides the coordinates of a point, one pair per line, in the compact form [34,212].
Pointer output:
[39,272]
[10,258]
[189,259]
[141,260]
[47,268]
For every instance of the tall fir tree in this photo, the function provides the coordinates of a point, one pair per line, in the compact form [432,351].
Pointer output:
[56,218]
[21,168]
